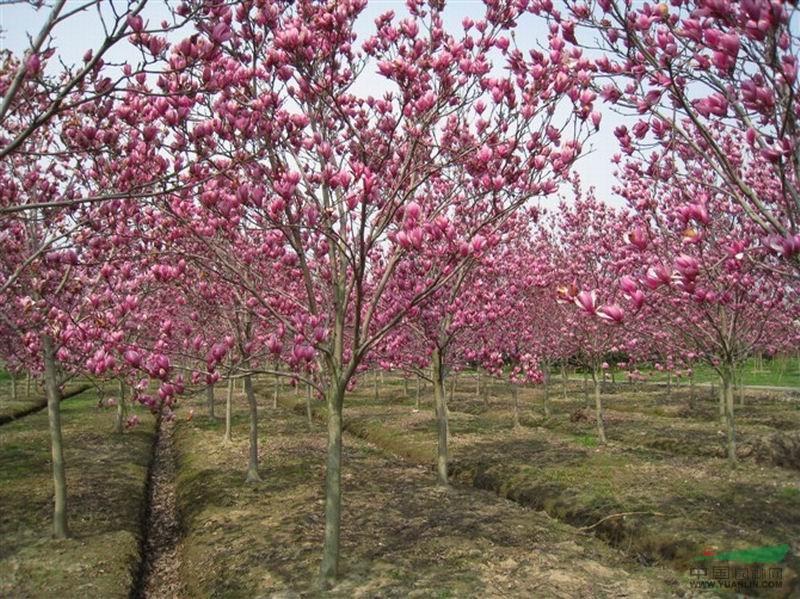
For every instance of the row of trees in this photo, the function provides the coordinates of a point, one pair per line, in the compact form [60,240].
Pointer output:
[230,204]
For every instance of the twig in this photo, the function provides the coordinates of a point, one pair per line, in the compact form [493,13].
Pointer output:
[621,514]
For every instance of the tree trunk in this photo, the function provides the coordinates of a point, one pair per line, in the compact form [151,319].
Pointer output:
[275,392]
[669,385]
[441,417]
[309,415]
[453,379]
[546,399]
[740,386]
[726,380]
[28,385]
[564,380]
[210,400]
[252,466]
[53,391]
[375,382]
[122,409]
[586,388]
[13,386]
[406,392]
[515,397]
[333,484]
[478,384]
[418,392]
[228,401]
[598,407]
[692,397]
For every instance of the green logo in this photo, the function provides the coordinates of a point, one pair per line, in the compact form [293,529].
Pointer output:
[764,555]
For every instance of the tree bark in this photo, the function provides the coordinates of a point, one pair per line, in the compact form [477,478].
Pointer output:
[275,392]
[53,391]
[333,484]
[309,414]
[13,386]
[515,397]
[586,388]
[406,392]
[546,398]
[252,466]
[375,382]
[122,409]
[418,392]
[598,406]
[440,401]
[669,385]
[210,400]
[692,397]
[740,386]
[228,401]
[28,385]
[478,383]
[564,380]
[726,380]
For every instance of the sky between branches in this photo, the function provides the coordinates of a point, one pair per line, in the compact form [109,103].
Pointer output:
[19,22]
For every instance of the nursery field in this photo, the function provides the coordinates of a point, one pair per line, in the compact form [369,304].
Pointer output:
[399,298]
[535,508]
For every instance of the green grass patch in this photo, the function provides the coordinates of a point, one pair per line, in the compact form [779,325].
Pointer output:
[586,440]
[778,372]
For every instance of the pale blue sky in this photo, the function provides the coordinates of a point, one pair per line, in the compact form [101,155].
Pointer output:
[84,31]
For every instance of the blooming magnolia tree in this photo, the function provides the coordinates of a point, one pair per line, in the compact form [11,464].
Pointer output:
[711,293]
[590,257]
[452,325]
[345,188]
[700,76]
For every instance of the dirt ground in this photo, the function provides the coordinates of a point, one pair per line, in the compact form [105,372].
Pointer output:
[402,535]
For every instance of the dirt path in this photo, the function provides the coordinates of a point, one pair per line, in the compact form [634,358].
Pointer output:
[161,558]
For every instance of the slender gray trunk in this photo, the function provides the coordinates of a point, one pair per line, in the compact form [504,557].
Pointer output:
[598,406]
[13,386]
[309,414]
[740,386]
[441,416]
[228,401]
[375,383]
[564,380]
[669,385]
[418,392]
[546,399]
[406,392]
[252,465]
[53,391]
[515,397]
[726,380]
[122,409]
[275,391]
[478,383]
[28,385]
[586,388]
[333,484]
[692,397]
[210,400]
